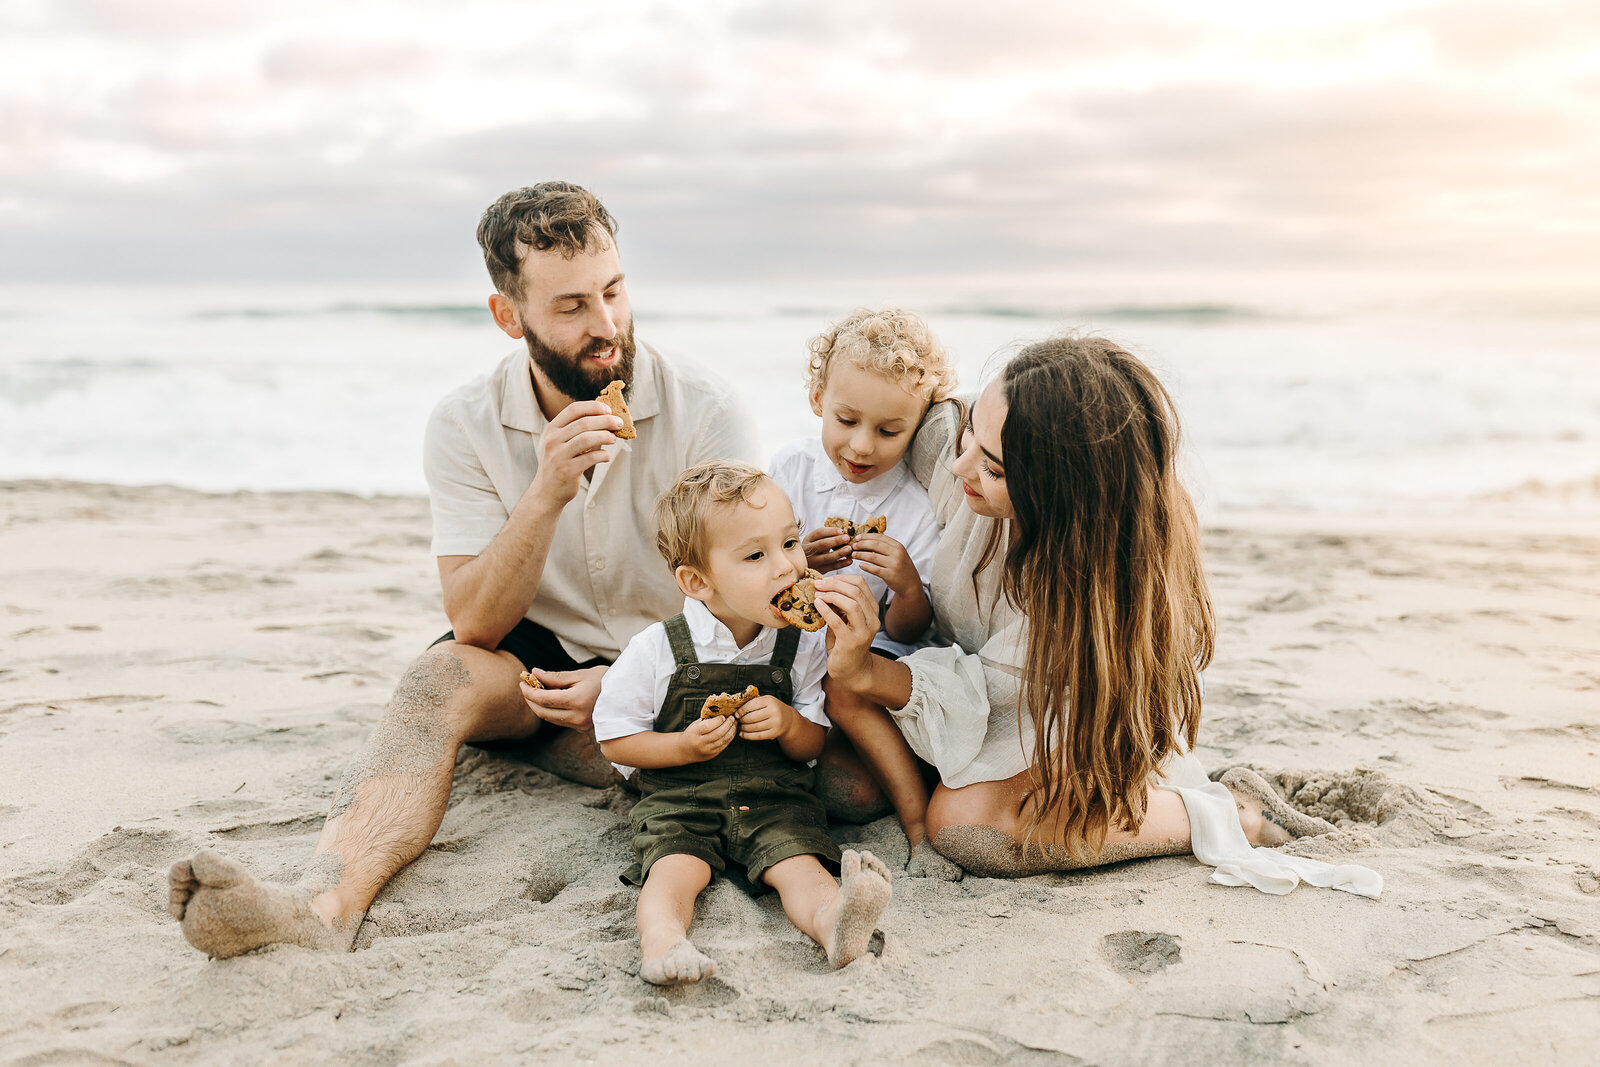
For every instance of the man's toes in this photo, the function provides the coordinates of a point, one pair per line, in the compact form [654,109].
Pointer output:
[216,870]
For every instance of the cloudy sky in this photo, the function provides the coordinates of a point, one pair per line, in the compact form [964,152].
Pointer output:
[344,139]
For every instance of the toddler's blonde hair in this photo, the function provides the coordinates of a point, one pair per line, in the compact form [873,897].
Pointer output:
[892,342]
[683,509]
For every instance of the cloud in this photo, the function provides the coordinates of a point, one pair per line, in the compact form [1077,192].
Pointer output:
[341,140]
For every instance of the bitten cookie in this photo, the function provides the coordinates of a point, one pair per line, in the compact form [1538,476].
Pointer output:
[531,680]
[612,396]
[797,603]
[727,703]
[854,530]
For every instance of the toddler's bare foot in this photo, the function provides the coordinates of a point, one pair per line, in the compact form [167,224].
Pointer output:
[679,965]
[852,916]
[226,910]
[926,862]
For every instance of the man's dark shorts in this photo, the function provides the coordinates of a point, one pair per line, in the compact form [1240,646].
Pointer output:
[536,646]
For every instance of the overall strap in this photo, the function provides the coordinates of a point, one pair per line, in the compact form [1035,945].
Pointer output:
[783,651]
[682,644]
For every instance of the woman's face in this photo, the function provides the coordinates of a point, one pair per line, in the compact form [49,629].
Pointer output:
[979,462]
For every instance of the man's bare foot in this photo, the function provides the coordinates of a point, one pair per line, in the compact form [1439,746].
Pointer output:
[851,917]
[225,910]
[927,862]
[575,756]
[679,965]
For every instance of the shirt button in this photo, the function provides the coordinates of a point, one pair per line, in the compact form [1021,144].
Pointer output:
[599,563]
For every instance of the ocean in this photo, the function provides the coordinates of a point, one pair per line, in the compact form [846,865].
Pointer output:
[1370,405]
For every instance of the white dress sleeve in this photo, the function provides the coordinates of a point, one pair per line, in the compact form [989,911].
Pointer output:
[962,714]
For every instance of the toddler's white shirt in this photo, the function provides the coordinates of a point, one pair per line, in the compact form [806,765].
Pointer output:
[635,685]
[818,491]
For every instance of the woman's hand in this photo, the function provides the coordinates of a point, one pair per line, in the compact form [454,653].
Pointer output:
[847,605]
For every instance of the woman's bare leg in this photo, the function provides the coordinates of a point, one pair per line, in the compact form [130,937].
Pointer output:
[980,827]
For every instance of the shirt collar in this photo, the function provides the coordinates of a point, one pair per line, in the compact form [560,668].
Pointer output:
[871,495]
[520,411]
[707,631]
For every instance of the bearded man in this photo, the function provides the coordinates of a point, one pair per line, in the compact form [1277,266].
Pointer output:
[543,533]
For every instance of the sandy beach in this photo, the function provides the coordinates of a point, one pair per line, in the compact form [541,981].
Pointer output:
[181,670]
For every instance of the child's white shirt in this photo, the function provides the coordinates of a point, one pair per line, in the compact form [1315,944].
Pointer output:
[818,491]
[634,686]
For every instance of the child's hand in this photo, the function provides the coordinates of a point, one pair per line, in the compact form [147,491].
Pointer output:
[766,718]
[826,549]
[707,737]
[883,557]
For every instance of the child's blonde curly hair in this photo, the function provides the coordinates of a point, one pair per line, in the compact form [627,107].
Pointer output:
[892,342]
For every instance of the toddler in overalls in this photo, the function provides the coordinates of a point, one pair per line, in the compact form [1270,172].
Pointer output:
[733,787]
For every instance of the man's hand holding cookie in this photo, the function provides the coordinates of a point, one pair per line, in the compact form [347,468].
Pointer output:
[565,698]
[572,443]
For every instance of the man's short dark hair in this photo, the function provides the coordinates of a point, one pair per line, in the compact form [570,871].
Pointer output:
[557,215]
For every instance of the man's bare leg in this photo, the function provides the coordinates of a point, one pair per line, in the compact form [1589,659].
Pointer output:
[387,810]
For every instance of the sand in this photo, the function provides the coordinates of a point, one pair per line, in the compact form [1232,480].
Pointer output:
[181,671]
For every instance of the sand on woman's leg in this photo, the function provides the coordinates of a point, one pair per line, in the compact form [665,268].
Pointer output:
[987,852]
[387,810]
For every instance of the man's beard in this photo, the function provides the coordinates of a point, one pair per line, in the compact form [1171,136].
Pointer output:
[572,374]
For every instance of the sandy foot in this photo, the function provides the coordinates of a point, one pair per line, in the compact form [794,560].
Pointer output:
[679,965]
[926,862]
[1281,823]
[225,910]
[853,915]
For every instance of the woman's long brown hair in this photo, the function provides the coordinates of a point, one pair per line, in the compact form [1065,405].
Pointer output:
[1104,560]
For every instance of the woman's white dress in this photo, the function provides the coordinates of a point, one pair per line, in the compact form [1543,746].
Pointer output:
[964,715]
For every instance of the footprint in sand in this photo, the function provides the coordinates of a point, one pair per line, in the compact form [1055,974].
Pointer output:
[1140,951]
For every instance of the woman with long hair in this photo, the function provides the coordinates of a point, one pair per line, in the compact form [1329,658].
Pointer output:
[1069,581]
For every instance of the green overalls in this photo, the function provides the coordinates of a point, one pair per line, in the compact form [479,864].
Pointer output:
[749,803]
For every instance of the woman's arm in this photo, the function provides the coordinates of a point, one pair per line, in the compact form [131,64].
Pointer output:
[847,605]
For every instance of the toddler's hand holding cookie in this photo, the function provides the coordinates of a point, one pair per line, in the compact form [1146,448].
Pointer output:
[766,718]
[704,738]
